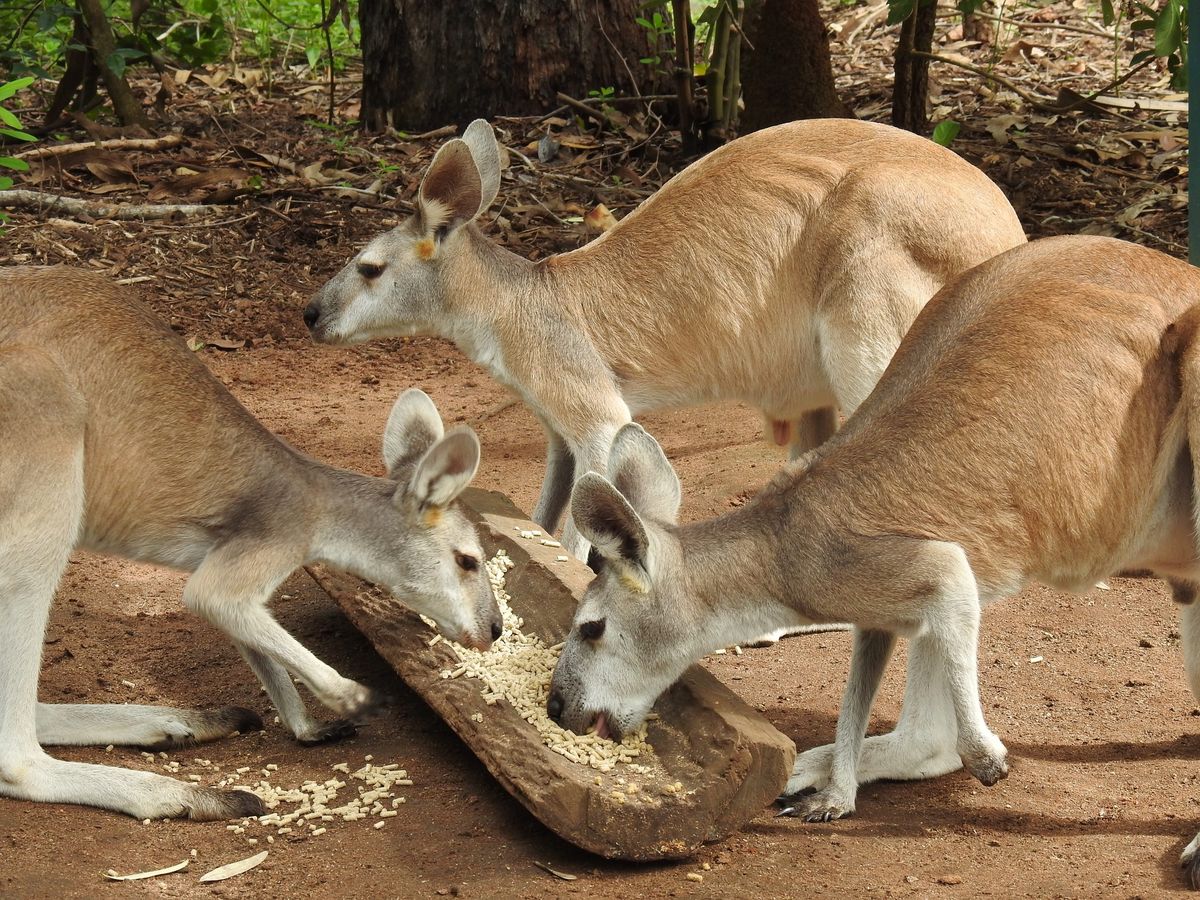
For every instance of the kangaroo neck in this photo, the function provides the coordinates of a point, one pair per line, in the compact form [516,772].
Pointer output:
[760,568]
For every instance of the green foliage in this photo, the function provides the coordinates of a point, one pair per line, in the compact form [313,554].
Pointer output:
[10,126]
[1170,26]
[185,32]
[945,132]
[659,29]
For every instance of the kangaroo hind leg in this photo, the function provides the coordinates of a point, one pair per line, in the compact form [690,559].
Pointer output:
[42,485]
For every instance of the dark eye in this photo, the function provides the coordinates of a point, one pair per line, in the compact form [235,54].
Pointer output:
[371,271]
[466,562]
[591,631]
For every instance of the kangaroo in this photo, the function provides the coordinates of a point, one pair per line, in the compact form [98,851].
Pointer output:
[781,271]
[115,438]
[1041,421]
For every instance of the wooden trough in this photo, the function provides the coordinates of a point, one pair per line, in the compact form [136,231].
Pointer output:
[730,762]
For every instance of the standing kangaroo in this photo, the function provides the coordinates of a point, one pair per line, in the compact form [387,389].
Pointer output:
[781,270]
[1041,421]
[117,439]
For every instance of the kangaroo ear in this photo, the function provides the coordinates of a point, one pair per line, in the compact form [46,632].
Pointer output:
[639,469]
[451,192]
[613,527]
[446,468]
[412,428]
[480,138]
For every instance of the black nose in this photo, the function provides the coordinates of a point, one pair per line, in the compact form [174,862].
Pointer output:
[554,707]
[312,312]
[497,630]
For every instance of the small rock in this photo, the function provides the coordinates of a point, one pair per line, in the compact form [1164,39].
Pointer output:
[1145,643]
[911,879]
[949,879]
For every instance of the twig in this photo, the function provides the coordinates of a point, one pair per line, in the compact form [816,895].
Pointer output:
[582,108]
[1043,104]
[948,12]
[429,135]
[43,202]
[621,56]
[162,143]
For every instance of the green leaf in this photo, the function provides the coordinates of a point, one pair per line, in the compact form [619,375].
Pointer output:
[9,119]
[17,134]
[115,63]
[18,165]
[899,10]
[7,90]
[1106,8]
[313,55]
[5,183]
[945,132]
[1166,30]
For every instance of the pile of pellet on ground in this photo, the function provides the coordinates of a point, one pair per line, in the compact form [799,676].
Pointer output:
[318,803]
[517,669]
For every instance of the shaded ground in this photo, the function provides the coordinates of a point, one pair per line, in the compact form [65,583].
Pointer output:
[1102,729]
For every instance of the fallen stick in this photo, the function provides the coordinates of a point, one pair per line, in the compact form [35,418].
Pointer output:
[40,201]
[162,143]
[582,108]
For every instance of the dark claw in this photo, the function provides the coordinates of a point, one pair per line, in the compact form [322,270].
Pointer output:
[786,811]
[330,732]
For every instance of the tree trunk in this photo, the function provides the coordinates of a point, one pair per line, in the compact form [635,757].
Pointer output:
[126,106]
[789,74]
[910,93]
[427,64]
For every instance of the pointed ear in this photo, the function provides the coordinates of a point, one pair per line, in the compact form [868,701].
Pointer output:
[445,469]
[412,428]
[639,469]
[451,192]
[480,138]
[606,519]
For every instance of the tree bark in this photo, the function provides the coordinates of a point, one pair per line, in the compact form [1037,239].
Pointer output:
[789,74]
[427,64]
[126,106]
[910,92]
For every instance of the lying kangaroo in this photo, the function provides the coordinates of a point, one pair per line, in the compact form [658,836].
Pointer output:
[780,270]
[1041,421]
[117,439]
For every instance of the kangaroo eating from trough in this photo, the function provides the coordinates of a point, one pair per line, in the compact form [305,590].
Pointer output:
[118,440]
[781,271]
[1041,421]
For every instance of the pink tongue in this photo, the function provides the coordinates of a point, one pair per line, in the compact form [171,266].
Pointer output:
[602,727]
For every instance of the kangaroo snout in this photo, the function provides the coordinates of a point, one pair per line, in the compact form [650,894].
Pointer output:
[554,706]
[312,313]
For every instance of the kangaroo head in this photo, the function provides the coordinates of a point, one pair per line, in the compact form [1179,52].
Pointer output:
[625,646]
[394,286]
[430,556]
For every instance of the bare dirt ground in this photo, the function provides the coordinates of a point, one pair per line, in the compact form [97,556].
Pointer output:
[1087,691]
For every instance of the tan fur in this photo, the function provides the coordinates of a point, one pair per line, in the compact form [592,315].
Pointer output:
[114,437]
[781,270]
[1040,421]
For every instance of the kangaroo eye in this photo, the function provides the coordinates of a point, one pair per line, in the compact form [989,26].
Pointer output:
[591,631]
[466,562]
[371,271]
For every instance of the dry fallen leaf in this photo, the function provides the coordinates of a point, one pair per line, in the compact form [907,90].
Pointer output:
[138,876]
[223,344]
[557,874]
[600,218]
[234,868]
